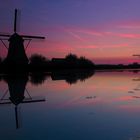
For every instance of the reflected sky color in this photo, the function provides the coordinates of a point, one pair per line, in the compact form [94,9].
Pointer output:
[103,31]
[105,106]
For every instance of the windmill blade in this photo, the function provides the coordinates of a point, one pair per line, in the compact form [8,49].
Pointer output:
[4,35]
[15,21]
[17,117]
[33,37]
[25,101]
[3,43]
[34,101]
[4,103]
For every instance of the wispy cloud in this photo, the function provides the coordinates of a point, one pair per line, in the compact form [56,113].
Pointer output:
[133,24]
[89,32]
[131,36]
[129,26]
[75,36]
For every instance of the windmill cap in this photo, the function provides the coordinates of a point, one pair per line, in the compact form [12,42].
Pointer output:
[15,37]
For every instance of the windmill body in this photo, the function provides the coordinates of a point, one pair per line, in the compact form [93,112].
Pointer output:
[16,50]
[17,85]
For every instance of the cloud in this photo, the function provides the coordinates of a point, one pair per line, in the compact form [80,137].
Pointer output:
[130,26]
[131,36]
[90,32]
[77,33]
[133,24]
[76,36]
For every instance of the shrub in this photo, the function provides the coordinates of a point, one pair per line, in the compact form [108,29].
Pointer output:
[71,57]
[37,59]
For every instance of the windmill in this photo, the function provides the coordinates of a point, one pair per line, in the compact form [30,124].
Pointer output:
[18,94]
[16,51]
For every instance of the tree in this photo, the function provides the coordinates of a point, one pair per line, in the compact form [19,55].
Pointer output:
[38,78]
[84,62]
[71,57]
[37,59]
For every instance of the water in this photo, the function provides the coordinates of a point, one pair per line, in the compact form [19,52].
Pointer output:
[67,106]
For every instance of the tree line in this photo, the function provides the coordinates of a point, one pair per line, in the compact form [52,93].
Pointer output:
[71,61]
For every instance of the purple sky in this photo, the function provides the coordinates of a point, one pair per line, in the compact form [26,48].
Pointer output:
[105,31]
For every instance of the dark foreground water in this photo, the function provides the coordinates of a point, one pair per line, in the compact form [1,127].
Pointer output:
[105,106]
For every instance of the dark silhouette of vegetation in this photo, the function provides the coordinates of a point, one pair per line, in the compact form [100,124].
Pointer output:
[38,78]
[72,76]
[38,62]
[85,62]
[134,65]
[71,61]
[37,59]
[71,57]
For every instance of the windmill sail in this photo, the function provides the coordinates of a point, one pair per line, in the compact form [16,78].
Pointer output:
[15,21]
[33,37]
[4,35]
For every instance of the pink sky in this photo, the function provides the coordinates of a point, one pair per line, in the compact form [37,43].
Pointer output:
[115,43]
[104,33]
[112,44]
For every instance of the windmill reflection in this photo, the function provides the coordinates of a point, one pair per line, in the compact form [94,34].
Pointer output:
[17,90]
[18,93]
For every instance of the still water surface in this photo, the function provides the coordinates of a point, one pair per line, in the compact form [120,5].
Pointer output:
[99,106]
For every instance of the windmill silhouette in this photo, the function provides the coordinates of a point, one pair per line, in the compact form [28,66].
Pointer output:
[16,51]
[18,94]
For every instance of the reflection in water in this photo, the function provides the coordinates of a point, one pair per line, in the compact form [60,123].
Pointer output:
[38,78]
[72,77]
[136,89]
[17,88]
[90,97]
[104,107]
[135,138]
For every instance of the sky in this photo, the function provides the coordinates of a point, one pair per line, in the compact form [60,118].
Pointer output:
[104,31]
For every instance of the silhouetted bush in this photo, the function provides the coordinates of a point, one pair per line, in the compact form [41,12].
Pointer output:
[84,62]
[71,57]
[38,63]
[72,76]
[38,60]
[38,78]
[74,62]
[71,80]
